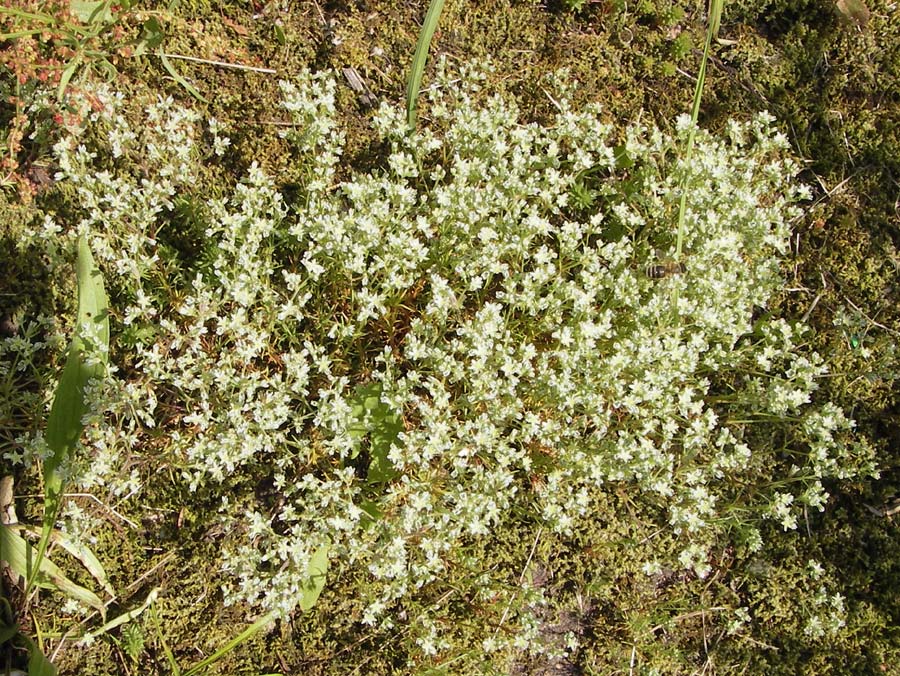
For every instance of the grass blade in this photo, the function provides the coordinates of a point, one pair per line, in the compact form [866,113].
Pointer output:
[418,63]
[179,79]
[64,424]
[126,617]
[167,651]
[715,19]
[18,555]
[78,551]
[232,644]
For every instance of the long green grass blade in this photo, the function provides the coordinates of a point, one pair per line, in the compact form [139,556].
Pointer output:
[260,624]
[19,556]
[715,19]
[418,63]
[87,558]
[64,424]
[126,617]
[19,14]
[179,79]
[20,34]
[167,651]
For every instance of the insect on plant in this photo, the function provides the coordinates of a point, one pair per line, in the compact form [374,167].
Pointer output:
[664,268]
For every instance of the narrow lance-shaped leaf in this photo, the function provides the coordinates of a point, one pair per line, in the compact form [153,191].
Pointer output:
[178,78]
[127,616]
[253,629]
[64,425]
[715,16]
[418,63]
[78,550]
[18,554]
[715,19]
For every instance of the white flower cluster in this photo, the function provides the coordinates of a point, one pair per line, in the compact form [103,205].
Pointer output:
[535,348]
[827,613]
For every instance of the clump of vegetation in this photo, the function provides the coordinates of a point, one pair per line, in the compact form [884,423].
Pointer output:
[301,341]
[489,326]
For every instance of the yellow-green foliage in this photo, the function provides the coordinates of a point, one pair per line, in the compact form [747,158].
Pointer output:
[833,87]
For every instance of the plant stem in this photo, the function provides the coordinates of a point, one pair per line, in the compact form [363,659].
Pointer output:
[711,29]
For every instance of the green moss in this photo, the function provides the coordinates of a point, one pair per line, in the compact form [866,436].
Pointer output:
[835,91]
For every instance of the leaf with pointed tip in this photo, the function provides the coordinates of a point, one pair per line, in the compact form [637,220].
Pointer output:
[66,76]
[126,617]
[79,551]
[178,78]
[64,424]
[315,573]
[418,65]
[19,555]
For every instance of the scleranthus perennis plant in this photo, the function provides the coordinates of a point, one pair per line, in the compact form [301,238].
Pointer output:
[484,326]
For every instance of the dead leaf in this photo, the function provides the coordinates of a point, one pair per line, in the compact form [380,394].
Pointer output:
[855,11]
[235,26]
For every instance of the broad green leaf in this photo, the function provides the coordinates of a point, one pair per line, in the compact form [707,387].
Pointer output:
[19,555]
[91,11]
[38,664]
[315,573]
[418,63]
